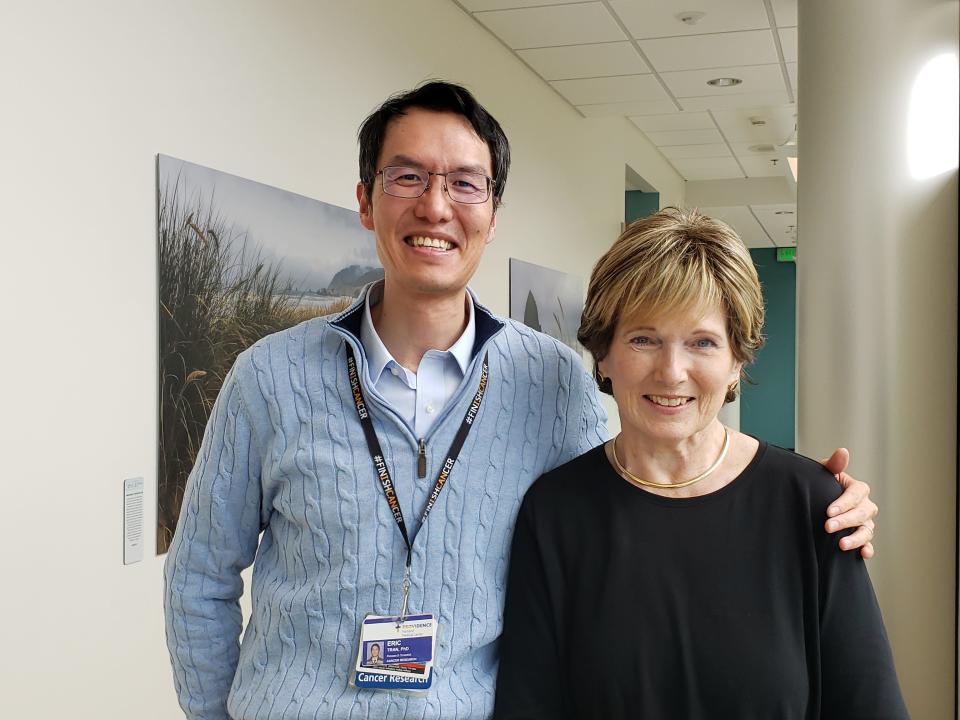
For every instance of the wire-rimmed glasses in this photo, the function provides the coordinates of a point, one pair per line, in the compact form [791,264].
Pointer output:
[462,186]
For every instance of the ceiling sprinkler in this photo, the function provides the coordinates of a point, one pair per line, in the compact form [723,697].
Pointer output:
[690,17]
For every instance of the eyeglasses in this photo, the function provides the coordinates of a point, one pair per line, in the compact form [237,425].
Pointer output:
[462,187]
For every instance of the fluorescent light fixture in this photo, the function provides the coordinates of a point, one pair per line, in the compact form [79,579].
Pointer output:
[788,152]
[724,82]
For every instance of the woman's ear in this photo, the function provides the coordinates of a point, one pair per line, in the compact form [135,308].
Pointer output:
[602,368]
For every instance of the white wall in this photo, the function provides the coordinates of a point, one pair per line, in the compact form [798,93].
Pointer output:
[270,91]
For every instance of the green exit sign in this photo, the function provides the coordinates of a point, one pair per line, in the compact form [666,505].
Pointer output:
[786,254]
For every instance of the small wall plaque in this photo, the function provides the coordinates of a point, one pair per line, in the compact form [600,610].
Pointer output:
[132,520]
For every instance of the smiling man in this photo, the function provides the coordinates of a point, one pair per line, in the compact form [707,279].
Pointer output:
[382,454]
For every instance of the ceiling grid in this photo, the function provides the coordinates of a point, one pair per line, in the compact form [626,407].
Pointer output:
[650,60]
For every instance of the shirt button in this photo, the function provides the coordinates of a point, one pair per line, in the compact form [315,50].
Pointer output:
[429,409]
[395,371]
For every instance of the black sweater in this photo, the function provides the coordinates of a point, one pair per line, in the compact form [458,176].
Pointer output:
[736,604]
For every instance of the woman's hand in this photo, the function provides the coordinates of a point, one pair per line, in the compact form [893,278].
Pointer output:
[852,509]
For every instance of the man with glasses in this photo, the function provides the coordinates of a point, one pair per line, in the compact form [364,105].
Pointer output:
[383,455]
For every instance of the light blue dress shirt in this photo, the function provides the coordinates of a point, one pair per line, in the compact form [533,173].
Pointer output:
[419,397]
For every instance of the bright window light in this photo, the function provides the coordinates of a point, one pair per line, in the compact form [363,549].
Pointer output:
[933,122]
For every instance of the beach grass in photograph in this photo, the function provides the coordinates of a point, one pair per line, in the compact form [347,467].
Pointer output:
[218,296]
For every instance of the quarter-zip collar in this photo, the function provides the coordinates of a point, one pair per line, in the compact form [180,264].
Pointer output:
[487,324]
[348,324]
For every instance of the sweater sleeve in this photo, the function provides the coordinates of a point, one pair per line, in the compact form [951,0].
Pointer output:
[529,681]
[593,418]
[216,538]
[857,671]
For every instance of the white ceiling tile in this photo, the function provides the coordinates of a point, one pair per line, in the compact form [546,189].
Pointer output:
[610,90]
[756,79]
[792,73]
[677,152]
[553,25]
[585,61]
[658,18]
[685,137]
[726,102]
[780,222]
[743,222]
[649,107]
[707,168]
[674,121]
[785,12]
[788,43]
[692,52]
[736,125]
[758,166]
[478,5]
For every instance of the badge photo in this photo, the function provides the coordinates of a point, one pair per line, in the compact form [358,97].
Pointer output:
[396,655]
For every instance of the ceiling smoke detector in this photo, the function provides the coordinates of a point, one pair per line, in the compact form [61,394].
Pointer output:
[724,82]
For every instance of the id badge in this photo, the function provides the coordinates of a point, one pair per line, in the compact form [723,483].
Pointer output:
[396,656]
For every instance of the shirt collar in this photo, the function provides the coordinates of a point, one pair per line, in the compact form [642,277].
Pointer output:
[462,349]
[378,357]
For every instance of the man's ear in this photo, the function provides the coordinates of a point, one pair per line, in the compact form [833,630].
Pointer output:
[491,233]
[366,207]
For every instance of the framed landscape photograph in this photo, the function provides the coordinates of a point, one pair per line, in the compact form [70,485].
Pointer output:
[237,260]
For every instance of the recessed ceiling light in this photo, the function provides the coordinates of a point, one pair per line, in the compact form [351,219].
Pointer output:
[784,212]
[762,148]
[724,82]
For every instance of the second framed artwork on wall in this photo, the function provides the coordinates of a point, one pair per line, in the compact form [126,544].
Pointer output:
[547,300]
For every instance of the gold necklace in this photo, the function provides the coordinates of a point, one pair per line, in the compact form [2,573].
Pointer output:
[668,486]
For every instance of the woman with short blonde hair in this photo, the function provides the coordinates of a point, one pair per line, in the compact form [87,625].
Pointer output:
[674,260]
[681,570]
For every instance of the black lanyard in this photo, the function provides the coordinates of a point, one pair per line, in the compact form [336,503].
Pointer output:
[383,473]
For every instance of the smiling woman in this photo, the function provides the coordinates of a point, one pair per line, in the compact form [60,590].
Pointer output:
[656,323]
[681,570]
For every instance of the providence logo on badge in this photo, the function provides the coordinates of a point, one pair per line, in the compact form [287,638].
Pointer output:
[396,656]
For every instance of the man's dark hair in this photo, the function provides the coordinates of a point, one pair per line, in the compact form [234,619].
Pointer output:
[437,96]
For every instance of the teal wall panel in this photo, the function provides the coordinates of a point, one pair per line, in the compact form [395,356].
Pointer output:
[767,407]
[638,204]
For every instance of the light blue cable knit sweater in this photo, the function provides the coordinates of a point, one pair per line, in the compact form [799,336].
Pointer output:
[284,454]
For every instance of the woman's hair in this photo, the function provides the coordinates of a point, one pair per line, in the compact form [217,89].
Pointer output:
[674,260]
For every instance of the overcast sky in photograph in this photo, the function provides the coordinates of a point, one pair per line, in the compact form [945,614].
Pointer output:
[311,240]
